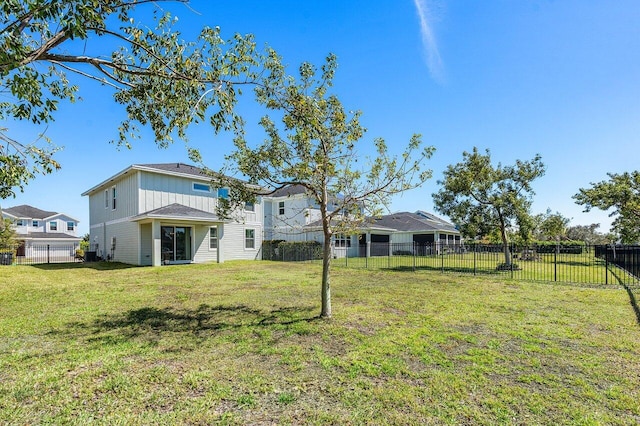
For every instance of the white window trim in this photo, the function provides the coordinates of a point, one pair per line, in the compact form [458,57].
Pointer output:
[217,238]
[283,210]
[114,196]
[56,225]
[254,239]
[252,210]
[35,223]
[73,226]
[194,189]
[106,199]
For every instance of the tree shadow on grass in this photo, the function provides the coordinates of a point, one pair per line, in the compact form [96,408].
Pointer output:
[151,323]
[98,266]
[632,297]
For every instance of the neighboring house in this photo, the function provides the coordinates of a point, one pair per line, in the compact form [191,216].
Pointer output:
[288,212]
[291,215]
[153,214]
[419,233]
[39,230]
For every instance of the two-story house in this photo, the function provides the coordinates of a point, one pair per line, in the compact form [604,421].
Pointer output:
[38,230]
[292,215]
[154,214]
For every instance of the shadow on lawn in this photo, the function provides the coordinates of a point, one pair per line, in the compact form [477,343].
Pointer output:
[98,266]
[152,322]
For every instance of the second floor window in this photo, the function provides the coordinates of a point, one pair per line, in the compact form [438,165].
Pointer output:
[34,223]
[281,208]
[20,222]
[53,226]
[71,226]
[201,187]
[113,197]
[106,198]
[250,207]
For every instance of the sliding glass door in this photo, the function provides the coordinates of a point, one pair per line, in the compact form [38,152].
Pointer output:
[176,243]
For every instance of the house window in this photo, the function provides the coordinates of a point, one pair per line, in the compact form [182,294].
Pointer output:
[20,222]
[342,240]
[113,197]
[250,207]
[106,198]
[53,226]
[281,208]
[71,226]
[213,237]
[223,193]
[201,187]
[250,238]
[34,223]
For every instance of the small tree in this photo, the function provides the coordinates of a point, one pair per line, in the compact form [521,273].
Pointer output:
[316,146]
[161,80]
[621,193]
[7,234]
[480,197]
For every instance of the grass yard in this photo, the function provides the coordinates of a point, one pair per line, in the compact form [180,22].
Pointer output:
[240,343]
[582,268]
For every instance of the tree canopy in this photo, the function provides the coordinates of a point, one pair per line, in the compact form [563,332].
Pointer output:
[161,80]
[480,197]
[621,193]
[312,141]
[550,226]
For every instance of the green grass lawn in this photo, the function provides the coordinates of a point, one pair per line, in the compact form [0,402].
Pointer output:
[240,343]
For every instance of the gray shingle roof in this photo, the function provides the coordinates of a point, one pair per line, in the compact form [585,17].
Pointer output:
[47,235]
[176,168]
[25,211]
[288,191]
[176,211]
[413,222]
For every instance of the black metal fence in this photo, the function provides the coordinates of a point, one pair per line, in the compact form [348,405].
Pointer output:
[34,254]
[557,263]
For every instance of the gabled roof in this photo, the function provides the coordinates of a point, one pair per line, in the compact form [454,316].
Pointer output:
[288,191]
[414,222]
[46,236]
[28,212]
[175,168]
[177,211]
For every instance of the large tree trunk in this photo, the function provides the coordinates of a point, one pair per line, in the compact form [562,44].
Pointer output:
[326,282]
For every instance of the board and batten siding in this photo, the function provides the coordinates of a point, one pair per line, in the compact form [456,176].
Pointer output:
[157,190]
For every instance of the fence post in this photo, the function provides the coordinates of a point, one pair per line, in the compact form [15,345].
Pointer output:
[414,256]
[441,258]
[555,265]
[511,251]
[606,265]
[475,249]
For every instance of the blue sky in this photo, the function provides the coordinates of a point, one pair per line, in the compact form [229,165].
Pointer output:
[558,78]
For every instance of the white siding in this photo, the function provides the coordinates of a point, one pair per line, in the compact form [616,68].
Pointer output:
[126,201]
[201,239]
[158,190]
[233,242]
[127,242]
